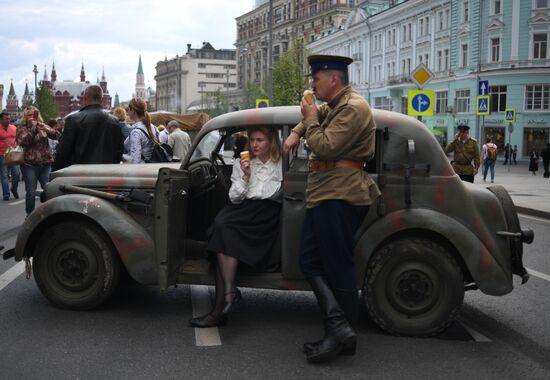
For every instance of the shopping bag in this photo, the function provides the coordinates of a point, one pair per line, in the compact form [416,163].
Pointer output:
[14,155]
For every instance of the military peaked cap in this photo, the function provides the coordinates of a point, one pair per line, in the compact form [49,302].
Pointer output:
[328,62]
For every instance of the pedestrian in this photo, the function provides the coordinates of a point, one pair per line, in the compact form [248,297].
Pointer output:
[489,155]
[121,116]
[33,136]
[246,229]
[515,154]
[178,140]
[138,146]
[90,136]
[7,139]
[545,154]
[341,136]
[163,134]
[533,162]
[506,153]
[466,158]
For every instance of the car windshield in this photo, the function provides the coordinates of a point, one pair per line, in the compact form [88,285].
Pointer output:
[206,145]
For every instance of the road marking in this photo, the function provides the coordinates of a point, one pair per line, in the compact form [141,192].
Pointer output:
[476,335]
[534,218]
[200,301]
[11,274]
[16,202]
[538,274]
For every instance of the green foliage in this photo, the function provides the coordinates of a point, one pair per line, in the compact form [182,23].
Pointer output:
[289,81]
[216,103]
[252,92]
[45,103]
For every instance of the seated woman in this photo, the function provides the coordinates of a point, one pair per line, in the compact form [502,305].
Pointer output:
[246,229]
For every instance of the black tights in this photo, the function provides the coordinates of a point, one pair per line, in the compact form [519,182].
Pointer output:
[226,269]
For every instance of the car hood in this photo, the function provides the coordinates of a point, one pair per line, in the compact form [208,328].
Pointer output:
[113,170]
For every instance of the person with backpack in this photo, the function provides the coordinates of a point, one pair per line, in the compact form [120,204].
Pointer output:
[489,154]
[141,141]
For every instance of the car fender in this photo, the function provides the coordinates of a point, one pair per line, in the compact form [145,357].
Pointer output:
[134,245]
[490,277]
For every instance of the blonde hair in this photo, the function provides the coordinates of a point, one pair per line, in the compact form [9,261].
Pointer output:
[120,114]
[30,111]
[272,136]
[140,107]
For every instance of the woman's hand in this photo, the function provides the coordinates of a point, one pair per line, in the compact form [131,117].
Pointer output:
[245,167]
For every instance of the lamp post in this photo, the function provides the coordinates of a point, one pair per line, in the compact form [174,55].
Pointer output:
[227,88]
[35,71]
[202,95]
[270,56]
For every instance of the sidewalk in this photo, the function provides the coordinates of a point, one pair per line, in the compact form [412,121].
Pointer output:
[530,193]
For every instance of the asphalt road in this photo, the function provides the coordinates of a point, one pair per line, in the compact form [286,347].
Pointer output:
[143,333]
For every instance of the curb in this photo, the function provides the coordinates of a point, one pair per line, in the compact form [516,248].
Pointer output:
[533,212]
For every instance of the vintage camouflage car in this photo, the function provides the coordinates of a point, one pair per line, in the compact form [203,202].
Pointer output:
[429,237]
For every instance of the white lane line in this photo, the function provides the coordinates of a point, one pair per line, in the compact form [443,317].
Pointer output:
[538,274]
[16,203]
[478,337]
[200,301]
[11,274]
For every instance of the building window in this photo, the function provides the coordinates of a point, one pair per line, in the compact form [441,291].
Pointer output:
[496,7]
[446,58]
[462,101]
[541,4]
[464,55]
[465,11]
[439,60]
[540,43]
[498,98]
[441,101]
[495,49]
[537,97]
[202,65]
[383,103]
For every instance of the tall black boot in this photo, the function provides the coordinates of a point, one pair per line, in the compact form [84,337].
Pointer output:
[348,301]
[339,335]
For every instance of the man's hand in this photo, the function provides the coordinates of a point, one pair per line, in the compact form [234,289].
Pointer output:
[291,143]
[310,111]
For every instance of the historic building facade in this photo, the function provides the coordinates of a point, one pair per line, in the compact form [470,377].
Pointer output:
[185,83]
[463,43]
[302,20]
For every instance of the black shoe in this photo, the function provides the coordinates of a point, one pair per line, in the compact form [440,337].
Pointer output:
[236,298]
[339,334]
[310,347]
[15,194]
[208,320]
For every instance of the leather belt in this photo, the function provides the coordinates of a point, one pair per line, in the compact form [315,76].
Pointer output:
[319,165]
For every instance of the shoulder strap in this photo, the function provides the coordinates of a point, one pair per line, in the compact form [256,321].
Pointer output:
[146,134]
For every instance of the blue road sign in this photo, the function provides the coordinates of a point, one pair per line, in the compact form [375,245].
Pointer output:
[483,88]
[483,105]
[510,115]
[420,103]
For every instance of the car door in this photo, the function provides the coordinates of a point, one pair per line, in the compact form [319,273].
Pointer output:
[171,198]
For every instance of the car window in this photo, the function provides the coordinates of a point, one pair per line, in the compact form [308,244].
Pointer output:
[206,145]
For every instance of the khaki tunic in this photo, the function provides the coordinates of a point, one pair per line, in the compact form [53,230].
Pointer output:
[345,130]
[464,154]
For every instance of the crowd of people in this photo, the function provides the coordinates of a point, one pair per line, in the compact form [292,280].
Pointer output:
[89,136]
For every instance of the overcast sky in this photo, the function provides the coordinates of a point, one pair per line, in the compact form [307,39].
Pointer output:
[107,34]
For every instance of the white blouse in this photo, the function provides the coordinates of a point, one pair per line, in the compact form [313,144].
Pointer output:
[265,180]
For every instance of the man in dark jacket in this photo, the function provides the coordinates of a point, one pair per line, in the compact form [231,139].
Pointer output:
[545,154]
[90,136]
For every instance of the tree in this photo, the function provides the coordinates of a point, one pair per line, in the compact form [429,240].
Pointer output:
[289,80]
[45,103]
[252,92]
[216,103]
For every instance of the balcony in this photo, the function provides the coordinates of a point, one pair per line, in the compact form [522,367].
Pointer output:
[399,79]
[357,57]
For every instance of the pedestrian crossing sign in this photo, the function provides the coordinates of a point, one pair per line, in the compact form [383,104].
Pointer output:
[483,105]
[510,115]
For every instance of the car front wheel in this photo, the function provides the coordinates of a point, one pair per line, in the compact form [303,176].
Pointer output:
[413,287]
[75,266]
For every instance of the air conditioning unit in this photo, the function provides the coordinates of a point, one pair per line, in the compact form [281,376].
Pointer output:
[449,109]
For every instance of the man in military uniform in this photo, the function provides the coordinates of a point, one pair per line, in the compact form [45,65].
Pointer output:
[340,135]
[465,151]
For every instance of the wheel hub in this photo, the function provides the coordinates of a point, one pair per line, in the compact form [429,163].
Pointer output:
[73,269]
[413,292]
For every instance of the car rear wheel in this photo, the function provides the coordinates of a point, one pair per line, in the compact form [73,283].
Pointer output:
[75,266]
[413,287]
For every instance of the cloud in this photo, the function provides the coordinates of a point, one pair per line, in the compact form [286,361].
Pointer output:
[108,34]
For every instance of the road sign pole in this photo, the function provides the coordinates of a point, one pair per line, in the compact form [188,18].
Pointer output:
[510,129]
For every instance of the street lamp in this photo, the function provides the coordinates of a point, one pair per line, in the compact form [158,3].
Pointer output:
[35,71]
[270,55]
[227,88]
[202,84]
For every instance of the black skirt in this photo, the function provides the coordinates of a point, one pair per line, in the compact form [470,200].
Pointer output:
[246,231]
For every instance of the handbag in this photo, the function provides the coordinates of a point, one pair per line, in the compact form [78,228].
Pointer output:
[14,155]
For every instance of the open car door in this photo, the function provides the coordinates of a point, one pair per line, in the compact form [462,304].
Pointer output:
[171,198]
